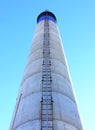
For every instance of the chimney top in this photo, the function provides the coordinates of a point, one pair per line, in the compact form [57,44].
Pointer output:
[46,15]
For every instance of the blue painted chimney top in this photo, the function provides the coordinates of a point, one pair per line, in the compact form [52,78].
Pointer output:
[46,15]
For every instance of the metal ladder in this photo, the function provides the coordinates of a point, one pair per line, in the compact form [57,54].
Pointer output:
[47,102]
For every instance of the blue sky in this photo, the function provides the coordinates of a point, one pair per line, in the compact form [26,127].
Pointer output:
[76,22]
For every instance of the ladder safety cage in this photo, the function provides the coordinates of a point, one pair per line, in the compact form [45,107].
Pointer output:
[47,102]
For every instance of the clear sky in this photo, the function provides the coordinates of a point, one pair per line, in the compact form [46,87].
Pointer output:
[76,22]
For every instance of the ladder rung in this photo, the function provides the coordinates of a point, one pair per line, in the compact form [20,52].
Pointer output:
[49,119]
[47,76]
[46,98]
[47,90]
[46,114]
[47,104]
[44,106]
[48,129]
[48,126]
[46,45]
[46,71]
[46,54]
[49,62]
[47,93]
[47,79]
[48,67]
[50,113]
[46,58]
[45,87]
[45,83]
[46,50]
[48,109]
[44,118]
[45,64]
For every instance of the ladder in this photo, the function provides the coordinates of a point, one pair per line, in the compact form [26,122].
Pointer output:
[47,102]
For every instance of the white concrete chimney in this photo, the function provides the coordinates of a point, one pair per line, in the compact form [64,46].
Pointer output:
[46,99]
